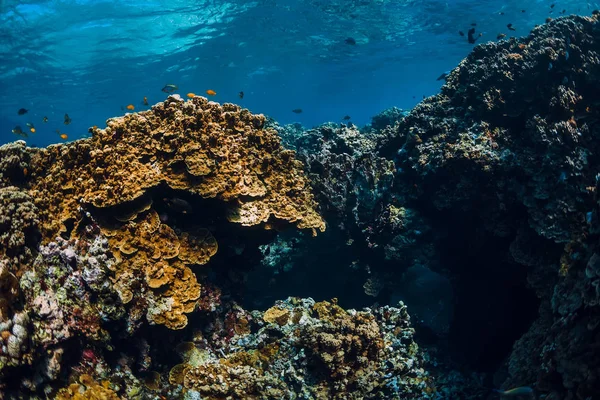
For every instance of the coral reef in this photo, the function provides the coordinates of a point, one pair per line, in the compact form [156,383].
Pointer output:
[19,221]
[493,184]
[485,197]
[508,149]
[388,118]
[313,350]
[347,175]
[198,147]
[97,241]
[87,388]
[195,146]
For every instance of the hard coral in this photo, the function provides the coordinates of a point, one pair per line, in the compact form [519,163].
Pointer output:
[18,226]
[14,163]
[109,181]
[197,146]
[335,354]
[87,389]
[152,251]
[509,145]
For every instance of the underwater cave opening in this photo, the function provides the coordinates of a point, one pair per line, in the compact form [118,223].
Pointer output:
[493,304]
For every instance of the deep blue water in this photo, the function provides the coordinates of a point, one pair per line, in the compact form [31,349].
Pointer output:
[91,58]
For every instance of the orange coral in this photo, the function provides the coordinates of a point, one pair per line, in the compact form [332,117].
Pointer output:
[87,389]
[199,147]
[277,315]
[149,248]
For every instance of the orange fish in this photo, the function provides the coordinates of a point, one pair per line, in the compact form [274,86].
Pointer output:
[145,101]
[211,92]
[64,136]
[32,130]
[131,107]
[192,95]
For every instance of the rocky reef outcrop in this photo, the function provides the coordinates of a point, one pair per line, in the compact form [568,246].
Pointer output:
[476,212]
[491,185]
[111,244]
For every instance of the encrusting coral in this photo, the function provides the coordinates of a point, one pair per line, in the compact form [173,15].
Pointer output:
[19,222]
[307,349]
[88,389]
[196,146]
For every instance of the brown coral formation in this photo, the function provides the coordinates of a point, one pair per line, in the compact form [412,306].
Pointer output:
[151,250]
[201,148]
[347,346]
[197,146]
[87,389]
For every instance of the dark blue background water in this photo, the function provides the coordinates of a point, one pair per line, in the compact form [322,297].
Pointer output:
[90,58]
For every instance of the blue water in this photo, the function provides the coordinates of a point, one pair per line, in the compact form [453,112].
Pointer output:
[91,58]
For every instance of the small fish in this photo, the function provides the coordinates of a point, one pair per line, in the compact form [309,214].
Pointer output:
[470,38]
[64,136]
[30,125]
[518,391]
[501,13]
[45,119]
[130,107]
[191,95]
[297,110]
[563,11]
[241,95]
[169,88]
[351,41]
[179,205]
[473,24]
[346,118]
[67,119]
[552,5]
[443,76]
[145,102]
[523,11]
[211,92]
[461,33]
[549,19]
[22,111]
[510,27]
[32,130]
[18,131]
[501,36]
